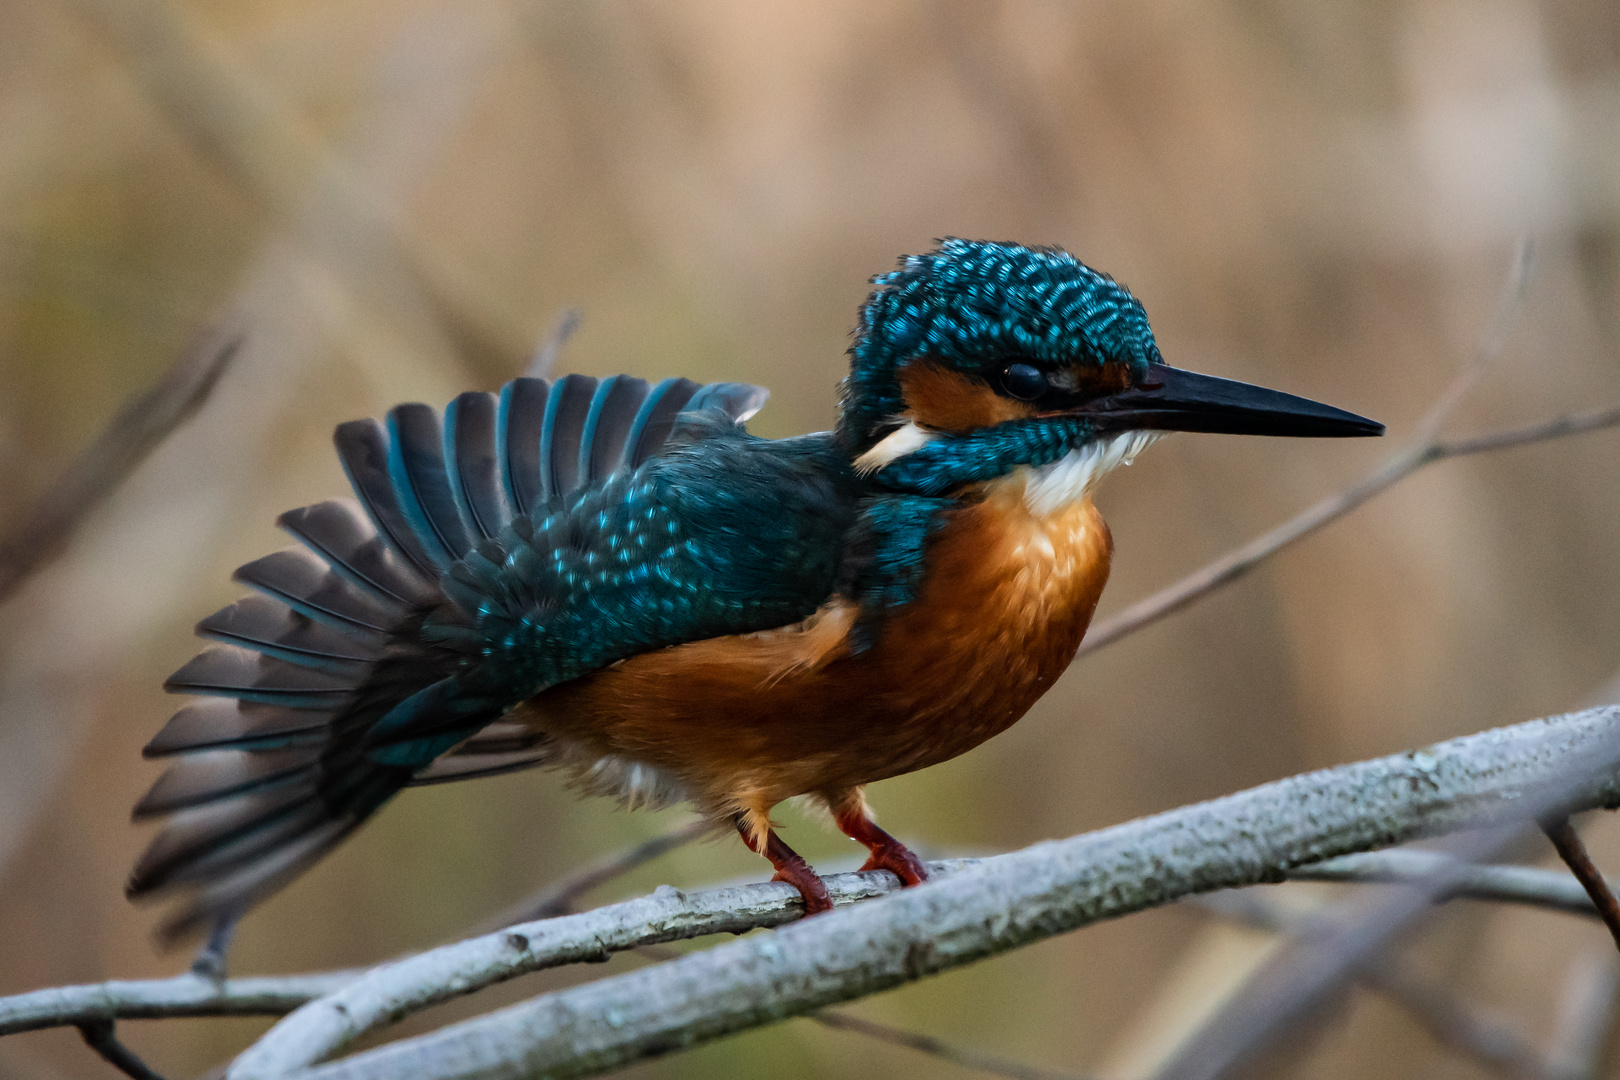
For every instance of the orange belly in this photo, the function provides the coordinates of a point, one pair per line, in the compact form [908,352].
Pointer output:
[743,722]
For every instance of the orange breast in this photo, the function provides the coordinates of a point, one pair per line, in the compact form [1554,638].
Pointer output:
[749,720]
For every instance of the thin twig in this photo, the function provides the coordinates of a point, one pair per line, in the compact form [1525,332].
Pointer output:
[1418,451]
[559,897]
[143,423]
[550,347]
[101,1037]
[1526,885]
[965,1056]
[1557,428]
[1574,853]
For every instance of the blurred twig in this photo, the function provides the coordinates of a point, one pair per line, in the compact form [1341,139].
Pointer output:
[1492,1040]
[558,898]
[1568,843]
[1586,1015]
[1505,884]
[545,355]
[136,430]
[965,1056]
[241,127]
[1422,448]
[101,1037]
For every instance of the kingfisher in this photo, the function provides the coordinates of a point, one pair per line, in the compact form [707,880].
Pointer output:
[615,580]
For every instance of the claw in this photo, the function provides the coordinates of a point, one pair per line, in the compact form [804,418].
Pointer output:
[790,867]
[810,886]
[897,859]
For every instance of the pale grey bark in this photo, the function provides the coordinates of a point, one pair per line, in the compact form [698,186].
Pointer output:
[389,992]
[999,904]
[183,995]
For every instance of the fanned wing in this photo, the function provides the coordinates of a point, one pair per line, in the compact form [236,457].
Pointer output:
[729,535]
[367,626]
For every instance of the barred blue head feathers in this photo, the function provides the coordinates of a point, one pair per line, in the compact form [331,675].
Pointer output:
[970,304]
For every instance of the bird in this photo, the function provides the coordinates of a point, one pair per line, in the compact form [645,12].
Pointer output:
[615,580]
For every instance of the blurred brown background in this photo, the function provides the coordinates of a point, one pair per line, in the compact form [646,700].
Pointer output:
[399,196]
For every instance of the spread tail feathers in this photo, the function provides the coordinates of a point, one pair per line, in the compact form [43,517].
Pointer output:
[278,760]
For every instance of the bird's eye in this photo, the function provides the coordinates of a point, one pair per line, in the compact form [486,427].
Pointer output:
[1023,382]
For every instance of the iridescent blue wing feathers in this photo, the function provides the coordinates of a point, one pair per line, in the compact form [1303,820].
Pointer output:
[362,664]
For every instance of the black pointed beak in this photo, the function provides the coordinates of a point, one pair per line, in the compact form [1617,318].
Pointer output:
[1170,399]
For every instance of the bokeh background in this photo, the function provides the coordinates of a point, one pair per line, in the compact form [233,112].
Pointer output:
[399,197]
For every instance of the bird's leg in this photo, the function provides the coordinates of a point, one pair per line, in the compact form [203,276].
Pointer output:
[790,865]
[849,811]
[210,961]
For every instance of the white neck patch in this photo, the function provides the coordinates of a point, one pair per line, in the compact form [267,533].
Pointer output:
[1070,478]
[903,440]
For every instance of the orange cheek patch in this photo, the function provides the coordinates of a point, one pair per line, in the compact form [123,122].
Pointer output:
[947,400]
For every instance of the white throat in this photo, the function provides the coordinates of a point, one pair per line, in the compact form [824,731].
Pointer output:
[1070,478]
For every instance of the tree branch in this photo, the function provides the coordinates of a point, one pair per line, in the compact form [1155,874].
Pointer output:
[391,991]
[151,999]
[993,906]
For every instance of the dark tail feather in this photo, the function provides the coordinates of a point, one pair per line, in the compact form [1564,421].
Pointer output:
[416,466]
[654,420]
[269,771]
[220,722]
[613,412]
[518,422]
[261,624]
[471,465]
[339,532]
[220,774]
[307,585]
[501,747]
[362,446]
[567,408]
[232,671]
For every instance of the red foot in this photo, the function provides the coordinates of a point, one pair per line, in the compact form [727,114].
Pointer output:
[898,860]
[791,868]
[887,852]
[810,886]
